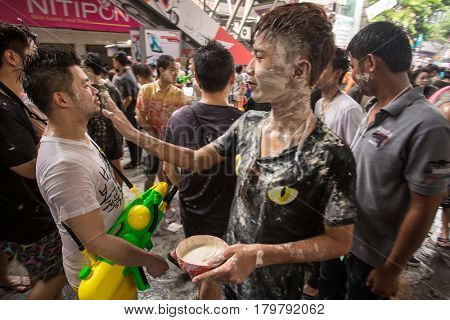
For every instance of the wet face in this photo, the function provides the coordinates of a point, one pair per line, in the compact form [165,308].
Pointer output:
[422,79]
[272,71]
[170,74]
[361,77]
[85,97]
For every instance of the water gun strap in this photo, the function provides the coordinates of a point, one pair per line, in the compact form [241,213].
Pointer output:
[74,237]
[170,194]
[121,175]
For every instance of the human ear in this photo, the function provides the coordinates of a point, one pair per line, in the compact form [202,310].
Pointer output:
[12,57]
[371,62]
[60,99]
[303,69]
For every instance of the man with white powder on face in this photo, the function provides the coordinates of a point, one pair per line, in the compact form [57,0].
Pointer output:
[402,151]
[294,200]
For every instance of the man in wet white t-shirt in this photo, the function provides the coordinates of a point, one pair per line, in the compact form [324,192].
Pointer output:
[75,180]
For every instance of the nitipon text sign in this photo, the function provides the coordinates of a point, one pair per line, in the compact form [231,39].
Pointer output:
[78,14]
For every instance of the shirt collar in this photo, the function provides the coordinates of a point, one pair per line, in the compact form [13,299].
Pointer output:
[158,87]
[398,105]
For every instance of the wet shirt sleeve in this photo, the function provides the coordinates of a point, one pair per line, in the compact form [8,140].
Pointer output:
[17,145]
[69,187]
[427,167]
[226,144]
[341,205]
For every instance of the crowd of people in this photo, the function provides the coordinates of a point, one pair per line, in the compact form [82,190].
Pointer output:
[280,159]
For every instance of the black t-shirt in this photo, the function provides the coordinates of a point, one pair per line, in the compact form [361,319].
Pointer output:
[24,217]
[285,198]
[210,193]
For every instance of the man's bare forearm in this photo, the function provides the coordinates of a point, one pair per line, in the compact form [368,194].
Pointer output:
[413,230]
[185,158]
[319,248]
[119,251]
[176,155]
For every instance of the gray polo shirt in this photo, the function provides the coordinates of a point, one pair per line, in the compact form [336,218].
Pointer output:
[406,148]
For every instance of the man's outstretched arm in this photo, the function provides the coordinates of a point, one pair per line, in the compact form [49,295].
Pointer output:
[192,160]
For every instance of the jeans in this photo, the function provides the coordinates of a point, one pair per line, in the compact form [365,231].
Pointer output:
[357,273]
[332,280]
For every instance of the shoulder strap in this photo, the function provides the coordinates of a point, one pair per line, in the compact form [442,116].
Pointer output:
[121,175]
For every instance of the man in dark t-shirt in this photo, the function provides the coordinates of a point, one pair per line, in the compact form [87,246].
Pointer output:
[200,215]
[27,230]
[278,198]
[206,197]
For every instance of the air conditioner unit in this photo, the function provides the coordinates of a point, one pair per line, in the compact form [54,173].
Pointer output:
[246,33]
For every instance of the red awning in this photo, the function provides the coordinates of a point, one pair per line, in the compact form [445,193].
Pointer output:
[240,53]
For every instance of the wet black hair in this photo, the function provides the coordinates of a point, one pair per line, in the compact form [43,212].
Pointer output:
[214,65]
[163,62]
[341,62]
[141,69]
[122,58]
[306,28]
[93,61]
[46,72]
[386,41]
[16,38]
